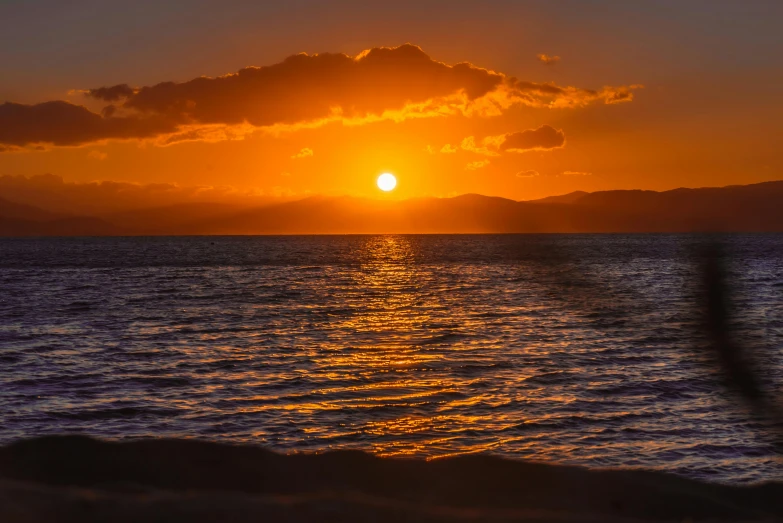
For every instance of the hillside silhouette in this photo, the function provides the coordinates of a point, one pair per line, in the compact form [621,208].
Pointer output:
[739,208]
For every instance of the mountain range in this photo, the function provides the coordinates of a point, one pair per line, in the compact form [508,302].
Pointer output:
[738,208]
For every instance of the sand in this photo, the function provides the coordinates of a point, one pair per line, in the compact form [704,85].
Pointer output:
[80,479]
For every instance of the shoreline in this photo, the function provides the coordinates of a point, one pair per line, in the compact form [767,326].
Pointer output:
[75,478]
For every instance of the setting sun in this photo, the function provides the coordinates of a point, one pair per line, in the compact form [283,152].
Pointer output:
[387,182]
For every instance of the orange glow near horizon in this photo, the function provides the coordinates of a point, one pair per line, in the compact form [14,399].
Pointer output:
[452,127]
[315,124]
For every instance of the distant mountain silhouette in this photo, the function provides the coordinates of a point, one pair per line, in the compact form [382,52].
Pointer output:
[749,208]
[571,197]
[18,219]
[741,208]
[170,217]
[21,211]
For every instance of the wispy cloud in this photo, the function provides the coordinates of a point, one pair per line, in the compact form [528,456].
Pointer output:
[487,147]
[527,174]
[449,149]
[97,155]
[547,59]
[473,166]
[304,153]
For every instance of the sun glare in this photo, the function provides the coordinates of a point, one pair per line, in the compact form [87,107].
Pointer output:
[387,182]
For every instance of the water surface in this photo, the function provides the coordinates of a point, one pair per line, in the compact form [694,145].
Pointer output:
[580,349]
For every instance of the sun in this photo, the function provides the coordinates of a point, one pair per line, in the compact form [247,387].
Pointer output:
[387,182]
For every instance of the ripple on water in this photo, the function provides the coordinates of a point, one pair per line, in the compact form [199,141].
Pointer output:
[575,349]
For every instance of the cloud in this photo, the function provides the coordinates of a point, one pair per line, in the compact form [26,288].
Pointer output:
[527,174]
[488,146]
[63,123]
[302,91]
[304,153]
[111,94]
[98,155]
[576,173]
[556,97]
[472,166]
[547,60]
[540,139]
[312,88]
[544,138]
[449,149]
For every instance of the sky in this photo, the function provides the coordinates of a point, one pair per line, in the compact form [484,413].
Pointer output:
[519,99]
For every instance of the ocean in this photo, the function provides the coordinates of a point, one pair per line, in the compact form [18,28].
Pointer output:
[573,349]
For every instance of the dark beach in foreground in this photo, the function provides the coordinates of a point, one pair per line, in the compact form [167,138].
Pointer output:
[57,479]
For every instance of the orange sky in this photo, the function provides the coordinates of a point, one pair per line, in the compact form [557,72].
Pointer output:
[635,100]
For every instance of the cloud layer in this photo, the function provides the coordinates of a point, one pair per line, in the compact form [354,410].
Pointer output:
[63,123]
[301,91]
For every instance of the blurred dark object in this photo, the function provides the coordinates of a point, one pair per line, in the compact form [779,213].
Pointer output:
[737,362]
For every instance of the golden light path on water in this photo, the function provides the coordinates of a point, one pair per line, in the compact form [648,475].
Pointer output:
[397,305]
